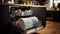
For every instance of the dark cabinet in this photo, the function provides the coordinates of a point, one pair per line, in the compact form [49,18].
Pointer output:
[56,16]
[4,19]
[53,15]
[0,0]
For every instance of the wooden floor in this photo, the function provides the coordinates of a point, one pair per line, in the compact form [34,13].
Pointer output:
[51,28]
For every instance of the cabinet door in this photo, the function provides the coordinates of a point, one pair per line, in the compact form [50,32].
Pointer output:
[0,0]
[56,16]
[4,19]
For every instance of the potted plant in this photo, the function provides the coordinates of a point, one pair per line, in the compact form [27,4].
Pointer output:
[58,6]
[54,6]
[22,1]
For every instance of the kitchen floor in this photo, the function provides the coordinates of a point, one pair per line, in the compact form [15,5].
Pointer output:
[51,28]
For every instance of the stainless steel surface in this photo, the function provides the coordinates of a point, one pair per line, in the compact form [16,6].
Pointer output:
[26,23]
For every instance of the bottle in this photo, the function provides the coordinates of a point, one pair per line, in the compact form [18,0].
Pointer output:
[12,1]
[16,1]
[2,1]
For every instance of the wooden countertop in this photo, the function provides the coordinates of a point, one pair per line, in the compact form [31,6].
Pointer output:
[9,4]
[52,10]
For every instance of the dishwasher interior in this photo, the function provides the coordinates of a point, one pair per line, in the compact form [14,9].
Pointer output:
[26,20]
